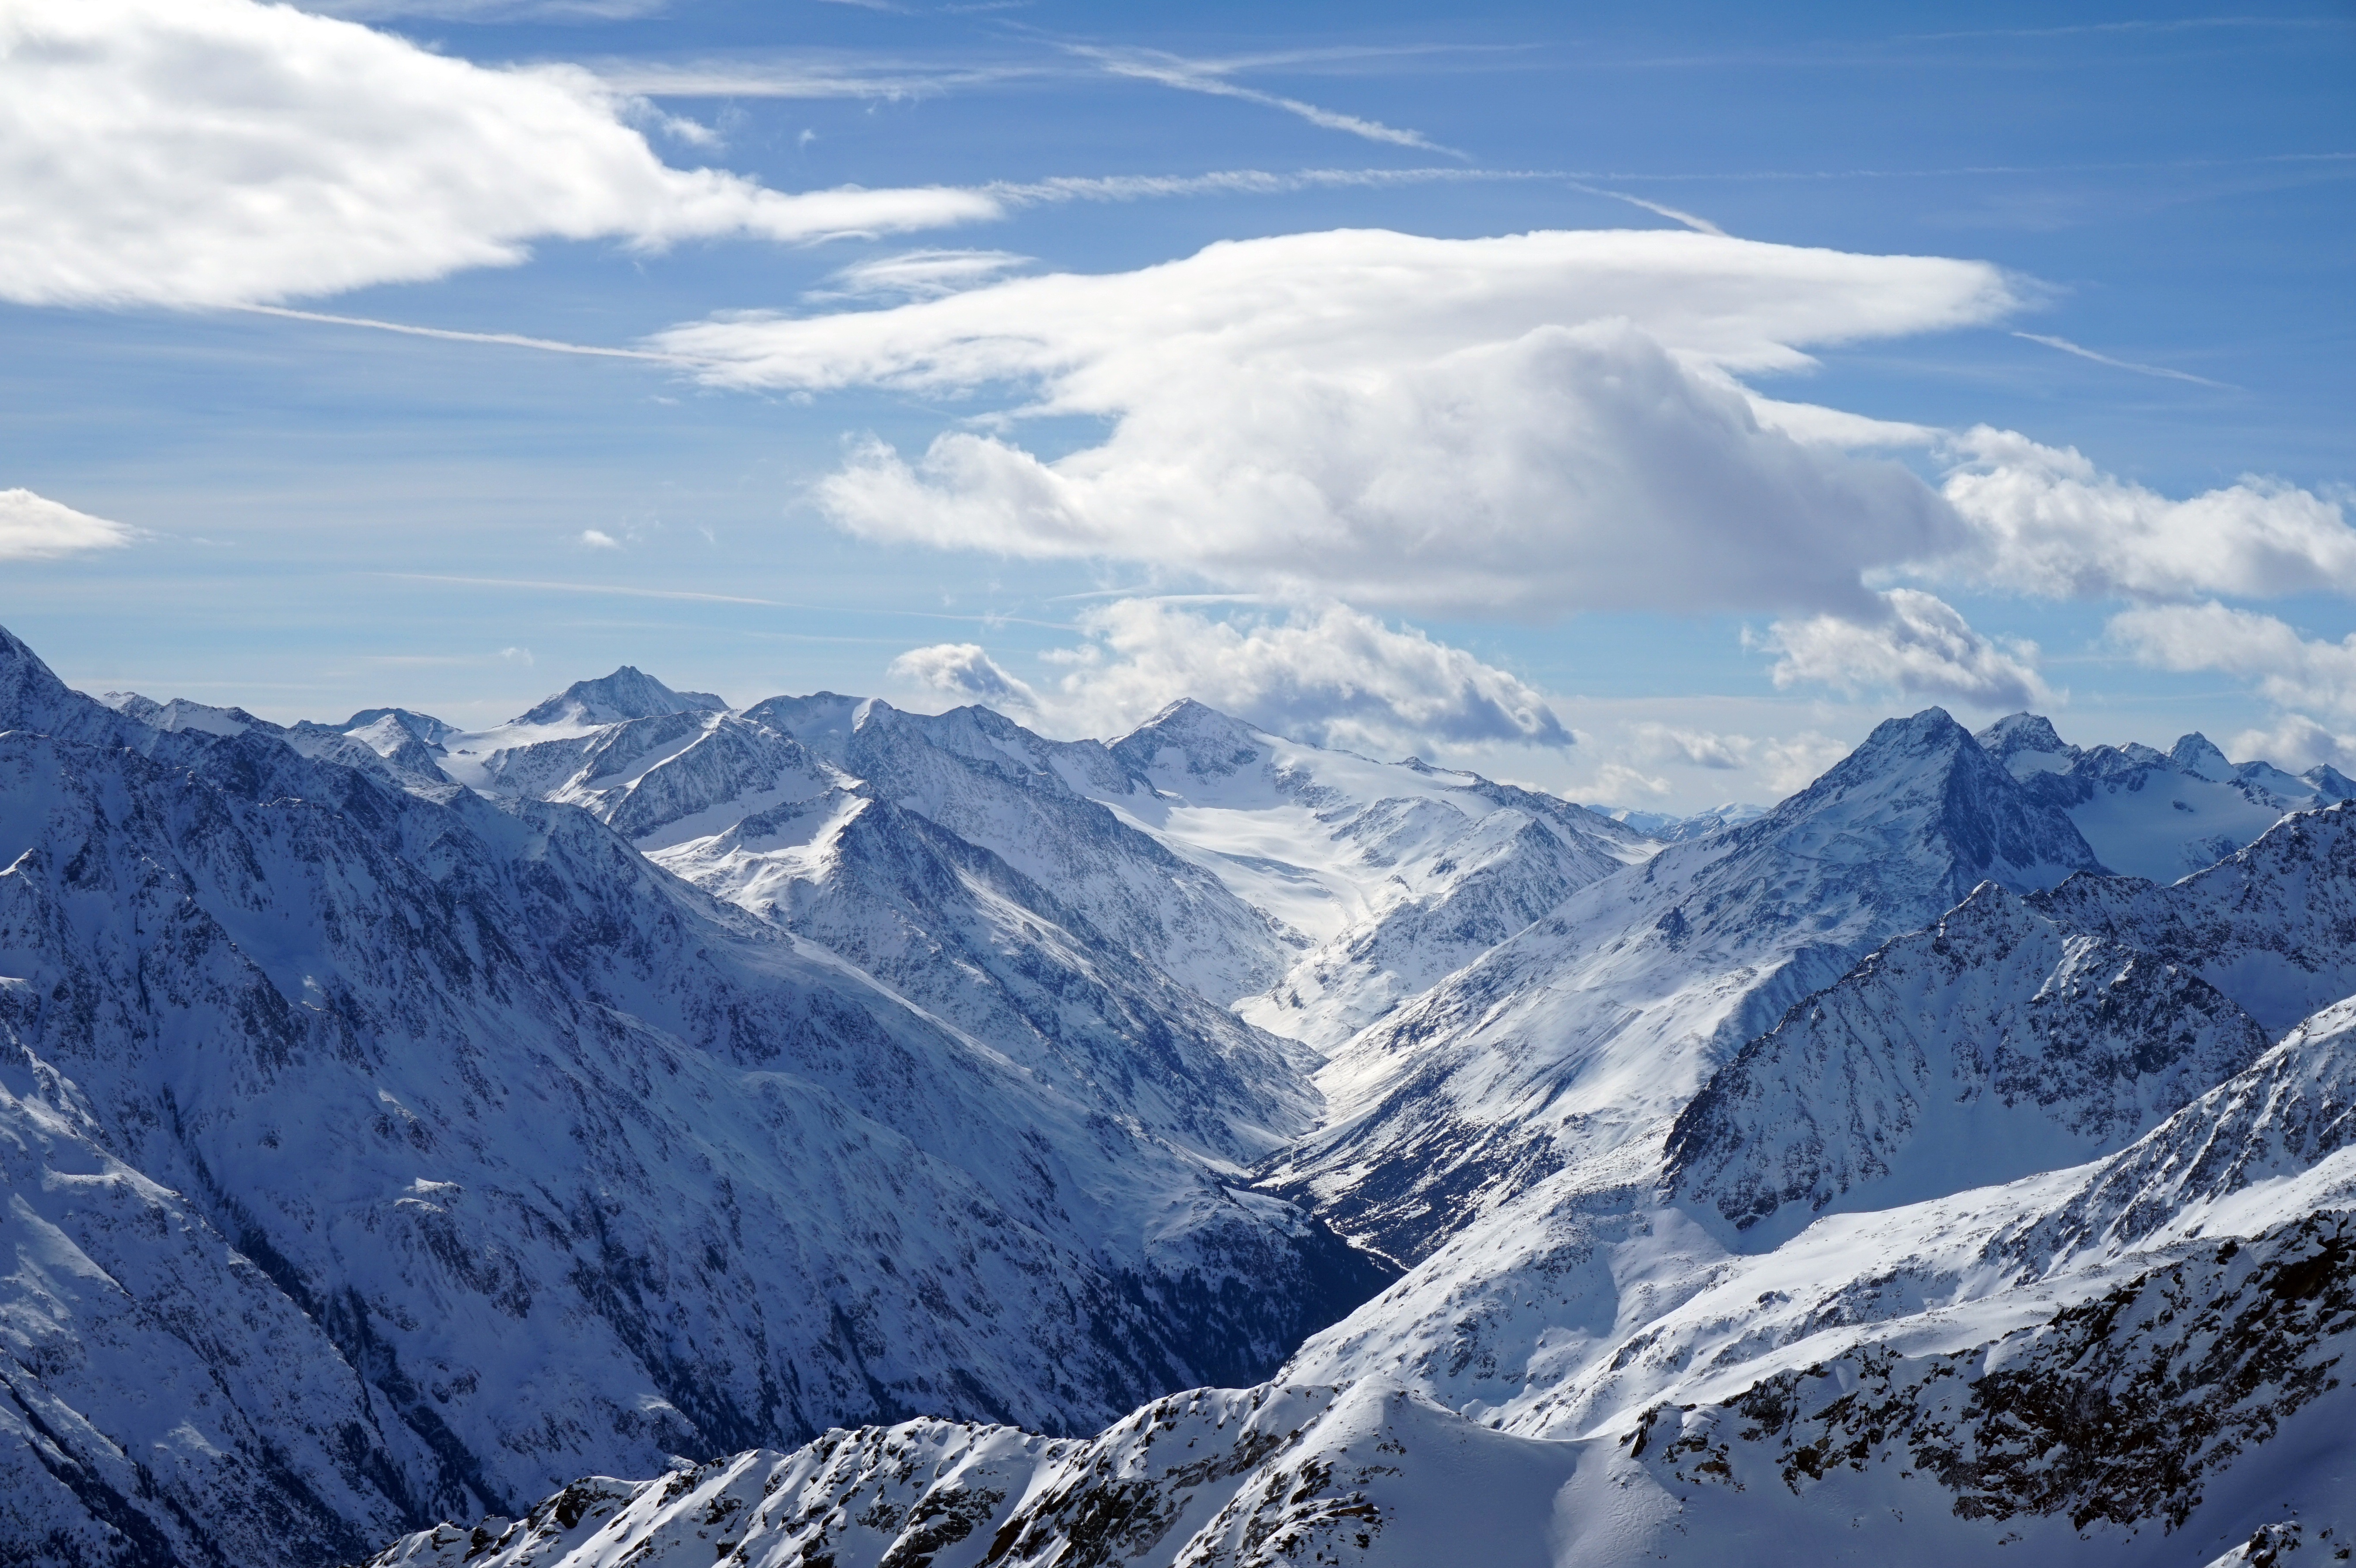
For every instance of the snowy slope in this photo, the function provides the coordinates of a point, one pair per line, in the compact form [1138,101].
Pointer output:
[570,1167]
[2273,926]
[446,1117]
[2182,1412]
[2153,814]
[1991,1046]
[1392,875]
[1607,1015]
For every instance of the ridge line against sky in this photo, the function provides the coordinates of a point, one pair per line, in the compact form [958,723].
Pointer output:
[1461,459]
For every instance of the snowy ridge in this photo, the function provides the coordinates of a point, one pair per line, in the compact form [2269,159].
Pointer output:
[2154,813]
[1991,1046]
[645,1088]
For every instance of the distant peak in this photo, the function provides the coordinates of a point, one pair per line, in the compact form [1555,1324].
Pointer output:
[2032,732]
[1213,743]
[422,727]
[628,693]
[2198,755]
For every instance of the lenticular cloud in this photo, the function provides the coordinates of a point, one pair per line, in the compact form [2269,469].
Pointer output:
[220,152]
[1539,423]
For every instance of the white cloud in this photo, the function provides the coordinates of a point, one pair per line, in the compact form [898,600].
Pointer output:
[1921,647]
[2289,670]
[1794,762]
[2296,742]
[1536,424]
[2048,523]
[963,672]
[598,538]
[1324,673]
[224,152]
[1663,743]
[34,527]
[919,274]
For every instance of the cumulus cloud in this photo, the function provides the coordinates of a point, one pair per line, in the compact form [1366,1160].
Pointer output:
[2298,743]
[963,672]
[1323,673]
[34,527]
[2289,670]
[225,152]
[598,538]
[1920,647]
[1536,424]
[2045,521]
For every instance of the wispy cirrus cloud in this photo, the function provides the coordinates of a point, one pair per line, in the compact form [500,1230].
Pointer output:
[1216,79]
[2161,371]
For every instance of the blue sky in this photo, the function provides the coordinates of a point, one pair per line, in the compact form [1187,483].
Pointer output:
[1250,477]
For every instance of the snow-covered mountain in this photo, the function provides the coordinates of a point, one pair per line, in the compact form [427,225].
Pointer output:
[543,1160]
[2157,815]
[857,1136]
[1606,1015]
[1992,1045]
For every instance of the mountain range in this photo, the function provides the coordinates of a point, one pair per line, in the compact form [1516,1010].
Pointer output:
[658,1131]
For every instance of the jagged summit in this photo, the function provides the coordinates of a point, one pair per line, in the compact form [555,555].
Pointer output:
[1210,743]
[1924,782]
[2026,743]
[628,693]
[2198,755]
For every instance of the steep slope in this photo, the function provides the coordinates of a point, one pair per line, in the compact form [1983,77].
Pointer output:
[1392,875]
[573,1167]
[749,812]
[1606,1016]
[1991,1046]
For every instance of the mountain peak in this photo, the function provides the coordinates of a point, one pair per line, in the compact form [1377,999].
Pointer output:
[31,696]
[2027,743]
[1926,778]
[2197,755]
[628,693]
[1213,743]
